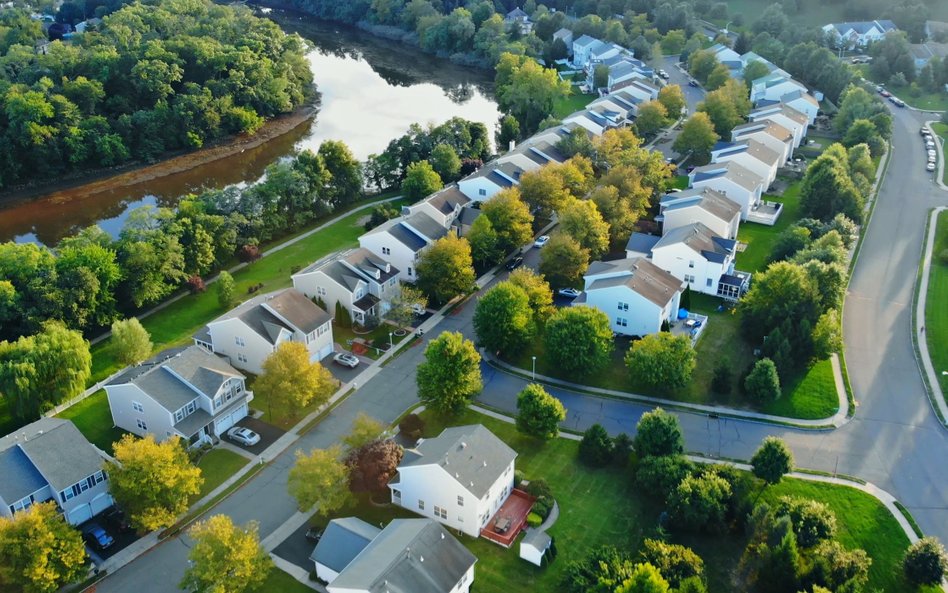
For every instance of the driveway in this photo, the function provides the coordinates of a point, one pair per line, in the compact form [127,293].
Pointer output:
[269,434]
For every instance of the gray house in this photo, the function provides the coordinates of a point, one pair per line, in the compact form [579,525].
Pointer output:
[51,460]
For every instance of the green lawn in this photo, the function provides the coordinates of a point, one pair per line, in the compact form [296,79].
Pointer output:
[936,101]
[94,420]
[942,131]
[276,412]
[760,238]
[279,581]
[217,465]
[343,336]
[936,313]
[679,182]
[571,104]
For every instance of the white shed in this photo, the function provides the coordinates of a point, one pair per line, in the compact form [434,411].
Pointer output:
[534,545]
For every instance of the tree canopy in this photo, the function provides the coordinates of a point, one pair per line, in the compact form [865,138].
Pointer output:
[450,375]
[658,434]
[579,340]
[662,360]
[320,478]
[527,90]
[225,557]
[446,269]
[39,551]
[503,319]
[772,460]
[289,377]
[538,413]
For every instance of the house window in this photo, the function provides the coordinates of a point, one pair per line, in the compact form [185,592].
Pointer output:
[440,512]
[691,263]
[396,494]
[482,192]
[241,357]
[421,505]
[391,282]
[66,494]
[409,271]
[623,306]
[239,340]
[708,283]
[460,501]
[178,416]
[320,291]
[689,279]
[141,424]
[386,251]
[191,407]
[622,322]
[137,407]
[322,329]
[99,477]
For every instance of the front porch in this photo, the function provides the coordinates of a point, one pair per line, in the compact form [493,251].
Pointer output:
[509,519]
[765,213]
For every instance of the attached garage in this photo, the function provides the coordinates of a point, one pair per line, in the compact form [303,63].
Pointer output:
[229,419]
[100,503]
[80,514]
[324,351]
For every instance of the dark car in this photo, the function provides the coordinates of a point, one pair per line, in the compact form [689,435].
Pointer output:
[693,82]
[97,537]
[117,520]
[515,263]
[314,534]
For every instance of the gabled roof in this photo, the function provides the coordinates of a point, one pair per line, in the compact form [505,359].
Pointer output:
[799,94]
[304,314]
[517,13]
[343,540]
[584,41]
[709,200]
[638,274]
[265,314]
[767,126]
[468,216]
[445,200]
[637,243]
[20,476]
[425,225]
[863,27]
[369,264]
[407,238]
[471,454]
[761,152]
[729,170]
[561,33]
[783,109]
[700,239]
[408,556]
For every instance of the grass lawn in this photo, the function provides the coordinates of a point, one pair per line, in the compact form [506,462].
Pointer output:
[344,336]
[216,466]
[94,420]
[760,238]
[936,313]
[571,104]
[278,413]
[936,101]
[942,130]
[679,182]
[282,582]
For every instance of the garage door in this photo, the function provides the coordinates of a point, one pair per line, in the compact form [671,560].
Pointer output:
[79,514]
[100,503]
[225,422]
[325,351]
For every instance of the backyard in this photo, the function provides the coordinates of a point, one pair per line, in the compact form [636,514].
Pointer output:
[936,313]
[94,420]
[571,104]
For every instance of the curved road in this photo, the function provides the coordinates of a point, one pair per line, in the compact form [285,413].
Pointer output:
[894,440]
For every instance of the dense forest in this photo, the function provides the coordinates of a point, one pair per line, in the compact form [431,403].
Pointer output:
[155,77]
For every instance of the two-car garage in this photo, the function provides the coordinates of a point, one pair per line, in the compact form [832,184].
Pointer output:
[228,419]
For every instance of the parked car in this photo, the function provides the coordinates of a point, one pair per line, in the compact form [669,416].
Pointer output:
[97,537]
[346,359]
[932,153]
[931,158]
[117,520]
[244,436]
[570,293]
[930,145]
[515,263]
[314,534]
[417,310]
[663,74]
[930,167]
[885,93]
[692,82]
[541,240]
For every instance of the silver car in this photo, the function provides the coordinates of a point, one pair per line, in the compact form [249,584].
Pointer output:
[244,436]
[346,360]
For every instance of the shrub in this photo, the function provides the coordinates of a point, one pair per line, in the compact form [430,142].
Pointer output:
[674,561]
[412,425]
[518,478]
[621,449]
[249,253]
[534,520]
[812,520]
[661,475]
[721,383]
[596,447]
[542,507]
[196,284]
[763,382]
[539,488]
[701,503]
[658,433]
[925,562]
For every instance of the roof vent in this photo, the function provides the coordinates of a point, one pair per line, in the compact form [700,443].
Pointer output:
[421,558]
[463,445]
[442,535]
[457,475]
[472,483]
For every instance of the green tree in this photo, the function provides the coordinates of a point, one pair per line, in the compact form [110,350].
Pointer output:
[753,70]
[402,306]
[292,382]
[538,413]
[719,75]
[508,130]
[445,162]
[652,117]
[421,180]
[925,562]
[645,578]
[446,269]
[763,383]
[863,131]
[152,481]
[320,479]
[581,220]
[662,360]
[39,551]
[673,98]
[839,568]
[697,137]
[723,377]
[131,341]
[828,190]
[700,503]
[503,320]
[600,76]
[225,558]
[661,475]
[701,63]
[772,460]
[674,561]
[784,291]
[721,110]
[596,448]
[485,249]
[538,293]
[545,190]
[813,521]
[579,340]
[450,376]
[510,218]
[364,430]
[563,261]
[658,434]
[225,290]
[827,337]
[526,90]
[344,170]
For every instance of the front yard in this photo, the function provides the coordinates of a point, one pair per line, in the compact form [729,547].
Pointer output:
[217,465]
[936,313]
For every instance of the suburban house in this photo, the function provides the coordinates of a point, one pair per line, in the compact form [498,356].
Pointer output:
[695,255]
[566,36]
[736,183]
[625,69]
[750,154]
[803,102]
[749,57]
[50,460]
[770,134]
[858,34]
[189,393]
[459,478]
[536,151]
[636,295]
[786,116]
[598,119]
[635,91]
[773,86]
[707,206]
[588,50]
[248,334]
[444,205]
[401,240]
[625,105]
[729,58]
[517,17]
[407,556]
[364,283]
[490,179]
[923,53]
[462,225]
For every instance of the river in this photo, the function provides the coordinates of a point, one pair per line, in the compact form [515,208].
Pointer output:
[371,91]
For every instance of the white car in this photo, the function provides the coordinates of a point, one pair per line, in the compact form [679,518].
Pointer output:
[663,74]
[932,153]
[930,145]
[570,293]
[346,360]
[541,241]
[417,309]
[930,167]
[244,436]
[931,158]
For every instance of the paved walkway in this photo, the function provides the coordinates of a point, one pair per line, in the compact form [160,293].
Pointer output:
[937,396]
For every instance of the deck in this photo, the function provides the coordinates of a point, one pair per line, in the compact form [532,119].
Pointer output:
[515,510]
[765,213]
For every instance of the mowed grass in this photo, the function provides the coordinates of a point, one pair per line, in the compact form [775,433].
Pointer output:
[571,104]
[760,238]
[94,420]
[815,13]
[942,130]
[282,582]
[217,465]
[936,313]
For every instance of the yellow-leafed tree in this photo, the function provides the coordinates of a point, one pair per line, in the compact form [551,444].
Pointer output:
[225,558]
[39,551]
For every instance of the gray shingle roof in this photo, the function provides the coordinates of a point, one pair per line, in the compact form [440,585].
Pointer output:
[342,541]
[20,476]
[303,313]
[408,556]
[368,263]
[640,275]
[426,225]
[203,370]
[705,198]
[638,243]
[701,239]
[407,238]
[472,454]
[730,170]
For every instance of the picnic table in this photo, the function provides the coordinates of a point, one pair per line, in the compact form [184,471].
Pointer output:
[502,524]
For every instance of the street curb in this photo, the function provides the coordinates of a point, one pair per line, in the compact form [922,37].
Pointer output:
[920,344]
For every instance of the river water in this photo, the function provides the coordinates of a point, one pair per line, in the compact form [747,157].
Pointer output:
[371,91]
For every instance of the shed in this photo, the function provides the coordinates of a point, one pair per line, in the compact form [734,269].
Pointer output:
[534,545]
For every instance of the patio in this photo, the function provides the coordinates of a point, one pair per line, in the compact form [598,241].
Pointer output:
[692,325]
[765,213]
[509,519]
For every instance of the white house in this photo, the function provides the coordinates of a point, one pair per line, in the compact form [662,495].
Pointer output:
[737,183]
[587,51]
[189,393]
[407,556]
[50,460]
[750,154]
[634,293]
[364,283]
[459,478]
[490,179]
[443,205]
[626,105]
[770,134]
[249,333]
[627,69]
[707,206]
[858,34]
[400,241]
[635,91]
[566,36]
[749,57]
[728,57]
[786,116]
[517,17]
[773,86]
[803,102]
[695,255]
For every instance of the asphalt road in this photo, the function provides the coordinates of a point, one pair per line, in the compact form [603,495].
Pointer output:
[894,440]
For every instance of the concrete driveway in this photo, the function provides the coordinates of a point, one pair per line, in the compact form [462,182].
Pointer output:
[269,433]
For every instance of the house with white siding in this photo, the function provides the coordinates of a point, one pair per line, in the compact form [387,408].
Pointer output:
[750,154]
[695,255]
[400,241]
[773,86]
[249,333]
[802,101]
[188,393]
[858,34]
[736,183]
[636,91]
[728,57]
[490,179]
[770,134]
[50,460]
[443,206]
[786,116]
[707,206]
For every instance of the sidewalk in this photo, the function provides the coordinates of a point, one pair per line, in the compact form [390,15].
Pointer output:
[834,421]
[937,397]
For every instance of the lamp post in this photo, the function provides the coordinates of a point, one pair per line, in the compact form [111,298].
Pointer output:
[390,344]
[726,26]
[534,368]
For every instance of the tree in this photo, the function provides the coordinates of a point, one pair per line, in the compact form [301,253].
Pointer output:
[925,562]
[828,190]
[784,291]
[645,578]
[658,434]
[225,558]
[152,481]
[600,76]
[373,465]
[544,190]
[700,503]
[510,218]
[662,360]
[673,98]
[581,220]
[563,261]
[403,306]
[577,141]
[421,180]
[763,383]
[450,376]
[722,380]
[701,63]
[526,90]
[225,290]
[719,75]
[365,430]
[721,110]
[131,341]
[41,371]
[538,413]
[291,381]
[508,130]
[596,447]
[753,70]
[445,162]
[446,269]
[503,320]
[538,293]
[579,340]
[39,551]
[813,521]
[827,337]
[863,131]
[661,475]
[837,568]
[772,460]
[344,170]
[652,117]
[697,137]
[485,249]
[674,561]
[320,479]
